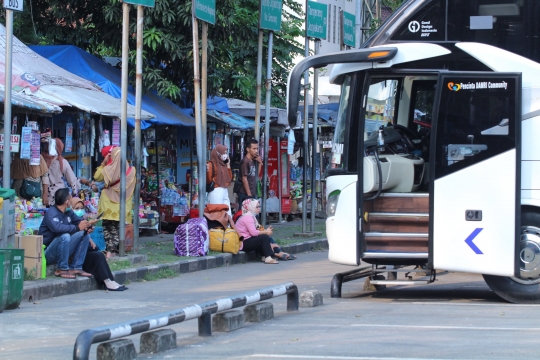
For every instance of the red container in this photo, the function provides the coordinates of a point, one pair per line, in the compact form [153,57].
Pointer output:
[285,206]
[193,213]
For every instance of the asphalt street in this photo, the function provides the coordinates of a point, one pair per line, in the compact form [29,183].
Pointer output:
[457,317]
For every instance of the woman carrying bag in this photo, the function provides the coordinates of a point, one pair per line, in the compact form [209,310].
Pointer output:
[59,169]
[218,171]
[30,181]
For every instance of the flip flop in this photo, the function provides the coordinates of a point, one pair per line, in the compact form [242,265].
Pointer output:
[64,274]
[80,273]
[121,288]
[290,257]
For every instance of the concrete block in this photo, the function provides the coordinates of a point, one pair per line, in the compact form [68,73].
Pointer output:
[193,265]
[157,341]
[259,312]
[311,298]
[202,263]
[210,262]
[121,349]
[228,321]
[184,266]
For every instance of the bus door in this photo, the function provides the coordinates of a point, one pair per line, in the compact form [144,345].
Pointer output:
[475,180]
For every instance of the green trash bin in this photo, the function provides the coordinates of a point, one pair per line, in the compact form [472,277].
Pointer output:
[15,277]
[4,278]
[8,221]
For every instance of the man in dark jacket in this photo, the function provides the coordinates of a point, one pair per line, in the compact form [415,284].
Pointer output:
[66,237]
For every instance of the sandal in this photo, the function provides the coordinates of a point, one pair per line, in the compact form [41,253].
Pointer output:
[290,257]
[271,261]
[65,274]
[80,273]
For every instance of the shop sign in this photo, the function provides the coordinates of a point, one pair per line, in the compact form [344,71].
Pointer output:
[14,145]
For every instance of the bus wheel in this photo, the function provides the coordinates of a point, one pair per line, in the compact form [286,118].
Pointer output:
[525,288]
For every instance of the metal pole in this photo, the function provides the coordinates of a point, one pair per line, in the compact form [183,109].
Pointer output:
[267,125]
[358,23]
[259,85]
[191,167]
[314,145]
[123,127]
[280,181]
[138,105]
[7,102]
[306,138]
[204,96]
[201,164]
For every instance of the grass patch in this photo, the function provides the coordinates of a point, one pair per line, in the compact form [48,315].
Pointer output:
[284,234]
[161,274]
[29,274]
[120,265]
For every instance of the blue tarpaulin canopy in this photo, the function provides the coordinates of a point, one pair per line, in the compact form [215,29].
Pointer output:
[89,67]
[326,112]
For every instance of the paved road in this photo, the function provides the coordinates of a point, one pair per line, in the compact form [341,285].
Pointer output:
[458,317]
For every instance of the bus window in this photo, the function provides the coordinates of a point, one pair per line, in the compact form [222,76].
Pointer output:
[423,96]
[501,23]
[341,130]
[380,107]
[474,123]
[427,24]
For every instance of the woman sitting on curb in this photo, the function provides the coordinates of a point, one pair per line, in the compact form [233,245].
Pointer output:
[95,262]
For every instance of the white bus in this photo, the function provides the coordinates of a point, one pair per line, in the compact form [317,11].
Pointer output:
[435,162]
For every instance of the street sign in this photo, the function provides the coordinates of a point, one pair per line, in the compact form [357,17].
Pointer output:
[149,3]
[348,22]
[270,14]
[317,20]
[205,10]
[14,145]
[16,5]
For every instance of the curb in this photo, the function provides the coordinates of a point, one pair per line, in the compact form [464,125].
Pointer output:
[49,288]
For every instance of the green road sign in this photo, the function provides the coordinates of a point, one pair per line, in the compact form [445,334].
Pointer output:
[205,10]
[149,3]
[348,23]
[270,14]
[317,20]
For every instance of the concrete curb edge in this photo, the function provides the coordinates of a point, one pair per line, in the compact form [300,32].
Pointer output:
[49,288]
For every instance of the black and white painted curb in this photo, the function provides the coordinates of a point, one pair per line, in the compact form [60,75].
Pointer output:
[203,311]
[49,288]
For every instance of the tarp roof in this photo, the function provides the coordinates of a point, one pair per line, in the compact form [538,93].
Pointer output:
[30,102]
[39,77]
[91,68]
[246,108]
[327,112]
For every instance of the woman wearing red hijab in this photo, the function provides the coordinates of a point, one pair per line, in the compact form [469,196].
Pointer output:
[219,171]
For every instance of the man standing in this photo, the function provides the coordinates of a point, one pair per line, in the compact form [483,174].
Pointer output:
[248,172]
[66,237]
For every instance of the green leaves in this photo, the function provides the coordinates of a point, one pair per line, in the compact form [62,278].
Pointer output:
[96,26]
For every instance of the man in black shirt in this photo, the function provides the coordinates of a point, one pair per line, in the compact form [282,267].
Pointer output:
[248,172]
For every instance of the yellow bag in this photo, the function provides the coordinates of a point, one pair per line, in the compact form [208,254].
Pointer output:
[224,240]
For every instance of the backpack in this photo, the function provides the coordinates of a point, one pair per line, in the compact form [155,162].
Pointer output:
[191,238]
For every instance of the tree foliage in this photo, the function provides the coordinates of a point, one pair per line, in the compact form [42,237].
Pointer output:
[96,26]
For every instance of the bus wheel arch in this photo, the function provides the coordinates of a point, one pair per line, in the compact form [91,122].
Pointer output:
[524,289]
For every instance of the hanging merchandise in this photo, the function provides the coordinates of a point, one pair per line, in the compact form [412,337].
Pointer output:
[292,141]
[35,148]
[26,142]
[116,132]
[93,135]
[14,125]
[69,137]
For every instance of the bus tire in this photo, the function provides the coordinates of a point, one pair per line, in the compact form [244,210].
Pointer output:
[524,289]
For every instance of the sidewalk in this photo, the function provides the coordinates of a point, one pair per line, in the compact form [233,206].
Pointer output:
[159,251]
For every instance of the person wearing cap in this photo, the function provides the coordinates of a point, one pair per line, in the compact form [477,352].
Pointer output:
[59,169]
[109,200]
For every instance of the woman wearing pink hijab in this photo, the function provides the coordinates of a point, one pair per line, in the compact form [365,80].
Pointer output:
[255,240]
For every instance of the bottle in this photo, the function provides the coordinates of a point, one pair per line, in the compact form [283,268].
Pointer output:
[380,141]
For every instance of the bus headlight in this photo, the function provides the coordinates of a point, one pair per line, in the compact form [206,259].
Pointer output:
[331,204]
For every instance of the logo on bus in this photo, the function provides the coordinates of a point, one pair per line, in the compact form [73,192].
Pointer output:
[454,87]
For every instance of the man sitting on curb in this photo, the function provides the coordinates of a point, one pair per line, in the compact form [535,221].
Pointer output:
[66,237]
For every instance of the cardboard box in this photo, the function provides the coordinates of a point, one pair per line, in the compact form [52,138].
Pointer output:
[33,250]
